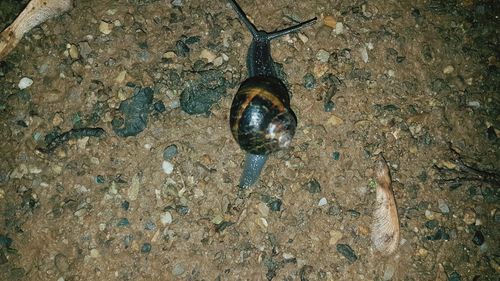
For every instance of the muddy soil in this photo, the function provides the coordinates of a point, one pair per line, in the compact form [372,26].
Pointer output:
[91,189]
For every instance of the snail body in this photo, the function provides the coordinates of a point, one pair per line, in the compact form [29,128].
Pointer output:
[261,119]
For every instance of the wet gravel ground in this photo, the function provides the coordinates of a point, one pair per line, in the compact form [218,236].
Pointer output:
[118,162]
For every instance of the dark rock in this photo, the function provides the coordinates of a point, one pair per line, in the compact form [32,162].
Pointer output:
[275,204]
[478,238]
[334,210]
[146,248]
[123,222]
[170,152]
[100,179]
[54,141]
[309,81]
[127,240]
[159,106]
[329,106]
[355,214]
[135,112]
[439,235]
[3,257]
[439,85]
[223,225]
[490,132]
[201,93]
[454,276]
[347,252]
[61,263]
[335,155]
[125,205]
[431,224]
[182,210]
[313,186]
[427,53]
[360,74]
[149,225]
[181,49]
[17,273]
[5,241]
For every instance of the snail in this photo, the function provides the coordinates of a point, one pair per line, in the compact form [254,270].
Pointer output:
[261,119]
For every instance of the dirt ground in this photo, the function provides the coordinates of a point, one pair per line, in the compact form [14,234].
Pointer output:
[418,81]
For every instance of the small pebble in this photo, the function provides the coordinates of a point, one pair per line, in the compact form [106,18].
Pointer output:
[133,190]
[176,3]
[61,262]
[449,69]
[149,225]
[339,28]
[170,152]
[364,54]
[329,106]
[123,222]
[334,210]
[431,224]
[95,253]
[336,155]
[469,217]
[262,222]
[347,252]
[474,104]
[178,270]
[388,272]
[309,81]
[334,120]
[330,21]
[73,51]
[146,248]
[100,179]
[168,167]
[263,209]
[443,207]
[454,276]
[303,38]
[159,106]
[125,205]
[322,202]
[429,214]
[208,55]
[323,55]
[169,55]
[24,83]
[313,186]
[182,210]
[478,238]
[275,205]
[105,27]
[166,218]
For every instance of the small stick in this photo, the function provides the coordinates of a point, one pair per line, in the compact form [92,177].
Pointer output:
[385,228]
[35,13]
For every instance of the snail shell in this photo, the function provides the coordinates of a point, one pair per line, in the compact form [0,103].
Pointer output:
[261,119]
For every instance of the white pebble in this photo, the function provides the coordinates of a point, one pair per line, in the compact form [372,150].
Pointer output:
[95,253]
[322,202]
[443,207]
[168,167]
[364,54]
[339,28]
[166,218]
[449,69]
[24,83]
[474,104]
